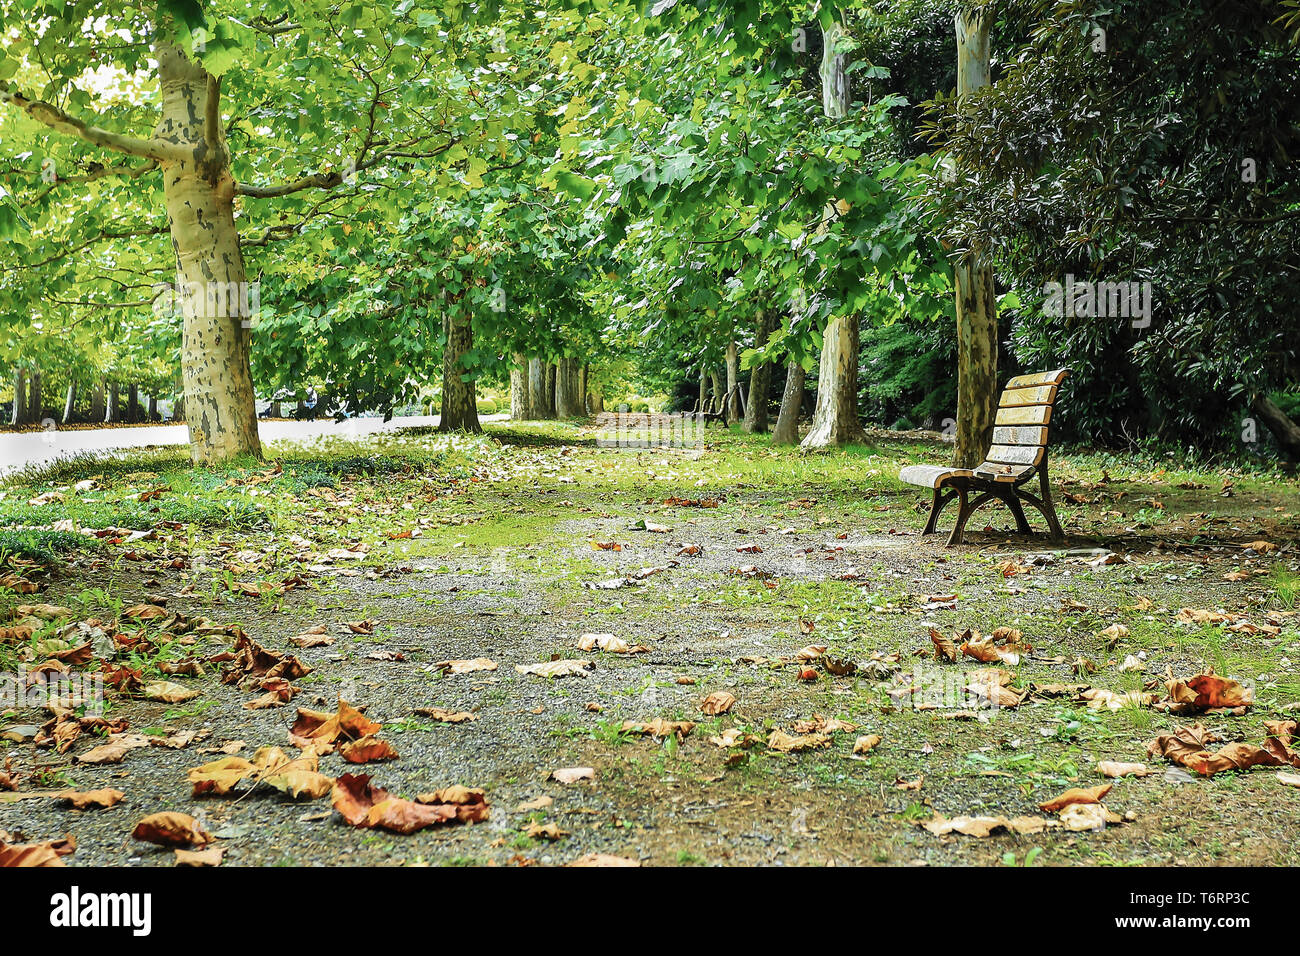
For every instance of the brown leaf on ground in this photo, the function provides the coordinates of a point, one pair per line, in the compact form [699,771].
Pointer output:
[867,743]
[1115,768]
[944,648]
[212,856]
[719,702]
[36,854]
[1188,746]
[470,802]
[1204,692]
[253,660]
[986,649]
[603,859]
[464,666]
[609,643]
[94,799]
[171,829]
[986,826]
[362,805]
[445,716]
[369,749]
[823,725]
[545,831]
[1079,817]
[659,727]
[1076,795]
[780,741]
[320,730]
[166,692]
[561,668]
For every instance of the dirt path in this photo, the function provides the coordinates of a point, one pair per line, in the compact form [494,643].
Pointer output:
[509,566]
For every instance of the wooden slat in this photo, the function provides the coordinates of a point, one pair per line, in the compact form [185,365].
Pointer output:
[1024,415]
[931,476]
[1020,435]
[1002,472]
[1032,395]
[1039,378]
[1015,454]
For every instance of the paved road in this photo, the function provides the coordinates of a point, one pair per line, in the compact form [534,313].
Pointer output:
[29,448]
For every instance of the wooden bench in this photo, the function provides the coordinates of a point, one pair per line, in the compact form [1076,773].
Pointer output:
[1018,453]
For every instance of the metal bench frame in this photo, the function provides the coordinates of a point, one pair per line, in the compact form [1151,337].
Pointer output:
[974,488]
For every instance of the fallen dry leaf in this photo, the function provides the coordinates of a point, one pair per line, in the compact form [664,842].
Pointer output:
[719,702]
[574,774]
[1114,768]
[867,743]
[210,857]
[171,829]
[560,668]
[94,799]
[1076,795]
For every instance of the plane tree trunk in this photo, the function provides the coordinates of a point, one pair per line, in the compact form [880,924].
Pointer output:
[787,419]
[977,322]
[835,418]
[459,405]
[760,377]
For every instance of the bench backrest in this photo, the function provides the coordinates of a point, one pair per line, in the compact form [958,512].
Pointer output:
[1020,429]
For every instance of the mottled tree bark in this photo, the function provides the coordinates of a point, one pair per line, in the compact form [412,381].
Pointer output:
[112,406]
[537,389]
[97,402]
[733,383]
[35,399]
[702,405]
[760,377]
[19,414]
[977,323]
[212,285]
[519,410]
[787,419]
[568,401]
[835,418]
[459,404]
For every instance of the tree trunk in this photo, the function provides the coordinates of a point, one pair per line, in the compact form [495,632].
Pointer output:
[459,405]
[717,398]
[760,377]
[582,388]
[132,403]
[97,402]
[977,321]
[733,383]
[178,404]
[787,420]
[835,418]
[153,408]
[567,399]
[35,400]
[111,407]
[275,411]
[551,374]
[1279,423]
[70,403]
[537,389]
[19,415]
[519,410]
[212,286]
[703,405]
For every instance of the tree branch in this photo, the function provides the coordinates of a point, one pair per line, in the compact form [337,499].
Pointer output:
[61,122]
[334,179]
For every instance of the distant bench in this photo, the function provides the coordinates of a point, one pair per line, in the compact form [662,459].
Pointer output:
[1019,452]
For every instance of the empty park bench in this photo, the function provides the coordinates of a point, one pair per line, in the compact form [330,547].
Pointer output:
[1019,452]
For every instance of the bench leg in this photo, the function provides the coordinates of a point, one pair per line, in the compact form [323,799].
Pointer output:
[941,499]
[1048,509]
[1013,505]
[967,509]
